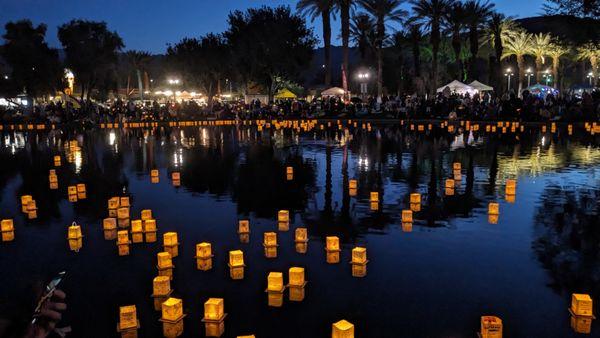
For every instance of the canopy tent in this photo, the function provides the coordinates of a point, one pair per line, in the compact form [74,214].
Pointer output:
[541,90]
[333,91]
[457,87]
[480,86]
[285,94]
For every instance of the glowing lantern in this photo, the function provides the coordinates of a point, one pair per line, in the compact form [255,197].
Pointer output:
[57,161]
[275,282]
[154,173]
[53,178]
[457,175]
[301,235]
[204,250]
[456,166]
[359,255]
[175,176]
[161,286]
[123,242]
[123,213]
[374,197]
[581,324]
[270,239]
[449,184]
[113,203]
[289,170]
[332,243]
[137,231]
[493,208]
[342,329]
[124,201]
[72,190]
[236,258]
[172,310]
[75,238]
[283,216]
[243,226]
[296,277]
[415,198]
[127,317]
[214,309]
[81,191]
[353,184]
[511,187]
[491,327]
[407,216]
[146,214]
[8,230]
[164,260]
[581,304]
[415,207]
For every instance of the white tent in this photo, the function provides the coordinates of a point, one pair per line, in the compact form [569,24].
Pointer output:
[480,86]
[458,87]
[333,91]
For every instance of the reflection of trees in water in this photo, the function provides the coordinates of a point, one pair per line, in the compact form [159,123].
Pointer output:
[568,239]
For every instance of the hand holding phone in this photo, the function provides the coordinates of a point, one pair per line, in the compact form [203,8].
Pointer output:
[49,309]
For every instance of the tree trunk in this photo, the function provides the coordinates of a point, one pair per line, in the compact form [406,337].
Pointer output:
[380,37]
[555,64]
[327,44]
[474,44]
[521,66]
[538,69]
[345,20]
[140,84]
[456,46]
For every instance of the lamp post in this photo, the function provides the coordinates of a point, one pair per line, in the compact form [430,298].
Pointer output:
[529,74]
[590,76]
[363,77]
[508,75]
[176,82]
[547,76]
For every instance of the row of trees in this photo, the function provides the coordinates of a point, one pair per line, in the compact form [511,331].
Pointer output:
[438,22]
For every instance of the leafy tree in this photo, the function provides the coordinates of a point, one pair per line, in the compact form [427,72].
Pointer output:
[382,11]
[478,14]
[91,53]
[362,31]
[455,20]
[540,46]
[580,8]
[201,62]
[497,29]
[268,43]
[556,50]
[322,8]
[138,61]
[35,68]
[519,45]
[590,51]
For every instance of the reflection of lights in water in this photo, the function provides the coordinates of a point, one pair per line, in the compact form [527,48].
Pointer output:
[111,138]
[363,162]
[78,159]
[543,141]
[178,157]
[18,143]
[203,137]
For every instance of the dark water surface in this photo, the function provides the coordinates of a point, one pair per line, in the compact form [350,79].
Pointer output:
[435,281]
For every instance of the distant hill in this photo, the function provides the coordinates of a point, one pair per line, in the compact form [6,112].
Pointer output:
[571,29]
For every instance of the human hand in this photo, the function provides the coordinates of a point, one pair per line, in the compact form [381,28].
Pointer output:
[49,315]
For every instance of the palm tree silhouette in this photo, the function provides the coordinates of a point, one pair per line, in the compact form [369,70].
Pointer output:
[322,8]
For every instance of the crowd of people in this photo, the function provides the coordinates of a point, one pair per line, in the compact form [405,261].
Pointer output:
[487,106]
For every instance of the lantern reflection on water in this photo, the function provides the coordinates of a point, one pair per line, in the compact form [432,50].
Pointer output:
[127,318]
[204,256]
[123,242]
[511,187]
[214,317]
[170,243]
[137,231]
[243,226]
[236,264]
[150,230]
[8,230]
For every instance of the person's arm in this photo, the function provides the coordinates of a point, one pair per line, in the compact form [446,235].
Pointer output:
[50,314]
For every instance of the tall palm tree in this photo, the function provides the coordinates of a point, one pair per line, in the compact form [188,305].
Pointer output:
[362,33]
[540,45]
[430,14]
[479,12]
[518,44]
[556,51]
[498,27]
[320,8]
[344,7]
[455,20]
[590,51]
[382,11]
[415,35]
[138,61]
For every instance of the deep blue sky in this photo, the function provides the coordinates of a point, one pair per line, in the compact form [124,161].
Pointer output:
[151,24]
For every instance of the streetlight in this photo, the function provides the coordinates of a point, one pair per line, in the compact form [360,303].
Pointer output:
[508,74]
[547,76]
[363,77]
[173,81]
[591,77]
[529,74]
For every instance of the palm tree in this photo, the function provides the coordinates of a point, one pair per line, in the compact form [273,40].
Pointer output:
[540,45]
[518,44]
[556,50]
[590,51]
[138,61]
[382,11]
[455,20]
[415,35]
[430,14]
[498,28]
[362,32]
[479,12]
[322,8]
[344,7]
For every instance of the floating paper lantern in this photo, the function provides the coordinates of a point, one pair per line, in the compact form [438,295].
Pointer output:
[581,324]
[57,161]
[456,166]
[301,235]
[214,309]
[25,199]
[275,282]
[493,208]
[137,231]
[81,188]
[374,197]
[491,327]
[53,178]
[123,213]
[8,230]
[270,239]
[124,201]
[511,187]
[449,184]
[236,258]
[342,329]
[164,260]
[146,214]
[359,255]
[283,216]
[353,184]
[204,250]
[170,243]
[289,170]
[296,277]
[415,198]
[123,242]
[172,309]
[161,286]
[175,176]
[407,216]
[74,231]
[127,317]
[113,203]
[243,226]
[581,304]
[72,190]
[247,336]
[332,243]
[154,173]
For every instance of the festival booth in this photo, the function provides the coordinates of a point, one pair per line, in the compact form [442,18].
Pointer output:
[285,94]
[333,91]
[480,87]
[541,90]
[458,88]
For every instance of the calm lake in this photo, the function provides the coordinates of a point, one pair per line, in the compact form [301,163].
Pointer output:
[435,278]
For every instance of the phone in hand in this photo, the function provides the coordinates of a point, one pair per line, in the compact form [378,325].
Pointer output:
[48,293]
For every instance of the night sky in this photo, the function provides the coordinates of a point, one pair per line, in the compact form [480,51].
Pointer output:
[149,25]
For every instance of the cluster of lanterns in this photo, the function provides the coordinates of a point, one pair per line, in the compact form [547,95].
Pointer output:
[28,206]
